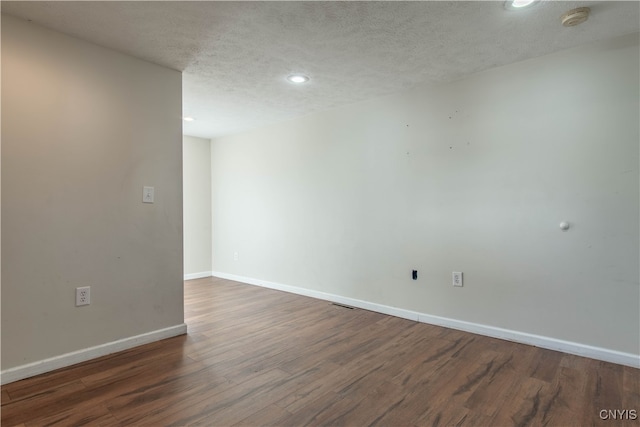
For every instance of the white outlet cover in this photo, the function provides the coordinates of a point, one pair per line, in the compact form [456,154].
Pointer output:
[456,277]
[83,296]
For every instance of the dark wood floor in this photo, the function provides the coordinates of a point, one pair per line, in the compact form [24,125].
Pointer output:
[256,357]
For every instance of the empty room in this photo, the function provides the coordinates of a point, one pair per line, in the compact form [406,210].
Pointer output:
[300,213]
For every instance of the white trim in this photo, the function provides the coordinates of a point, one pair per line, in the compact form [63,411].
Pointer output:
[25,371]
[200,275]
[570,347]
[599,353]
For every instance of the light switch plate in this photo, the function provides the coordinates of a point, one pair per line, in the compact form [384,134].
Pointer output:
[147,194]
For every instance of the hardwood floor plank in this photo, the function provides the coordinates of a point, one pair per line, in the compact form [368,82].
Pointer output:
[605,386]
[269,416]
[631,389]
[322,411]
[437,354]
[545,365]
[571,398]
[379,397]
[84,415]
[487,398]
[256,356]
[333,378]
[524,406]
[39,404]
[30,386]
[141,368]
[222,407]
[155,398]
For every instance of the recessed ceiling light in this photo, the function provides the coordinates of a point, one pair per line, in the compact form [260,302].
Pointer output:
[518,4]
[188,119]
[297,78]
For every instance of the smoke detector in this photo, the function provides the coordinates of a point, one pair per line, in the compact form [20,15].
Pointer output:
[575,16]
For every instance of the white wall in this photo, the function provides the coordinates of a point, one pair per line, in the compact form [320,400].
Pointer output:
[196,166]
[83,130]
[472,176]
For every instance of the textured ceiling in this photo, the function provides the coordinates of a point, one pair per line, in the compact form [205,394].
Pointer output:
[235,55]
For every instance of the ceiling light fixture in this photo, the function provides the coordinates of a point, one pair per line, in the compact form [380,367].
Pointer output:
[519,4]
[188,119]
[297,78]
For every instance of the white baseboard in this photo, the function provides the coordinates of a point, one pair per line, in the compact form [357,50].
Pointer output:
[200,275]
[68,359]
[599,353]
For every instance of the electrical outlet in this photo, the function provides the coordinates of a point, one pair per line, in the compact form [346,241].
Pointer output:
[457,278]
[235,256]
[83,296]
